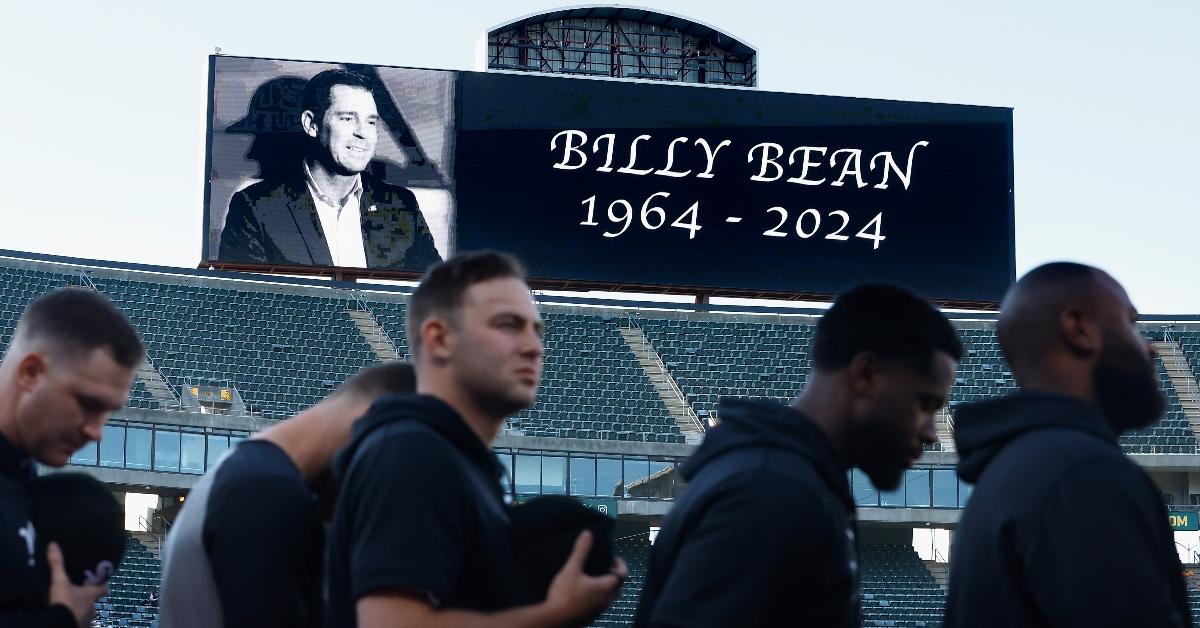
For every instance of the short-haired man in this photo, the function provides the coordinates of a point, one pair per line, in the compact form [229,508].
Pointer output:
[332,211]
[70,364]
[765,534]
[247,549]
[421,532]
[1062,528]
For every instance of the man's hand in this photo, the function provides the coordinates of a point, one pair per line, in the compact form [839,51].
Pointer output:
[80,600]
[578,598]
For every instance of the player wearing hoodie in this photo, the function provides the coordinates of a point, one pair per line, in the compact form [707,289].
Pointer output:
[765,533]
[1062,528]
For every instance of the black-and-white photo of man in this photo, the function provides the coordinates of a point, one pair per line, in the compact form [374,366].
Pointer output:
[324,206]
[343,178]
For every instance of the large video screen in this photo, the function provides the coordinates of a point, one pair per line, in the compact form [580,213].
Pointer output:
[596,183]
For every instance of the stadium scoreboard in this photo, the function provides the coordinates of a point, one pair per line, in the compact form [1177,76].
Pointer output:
[638,185]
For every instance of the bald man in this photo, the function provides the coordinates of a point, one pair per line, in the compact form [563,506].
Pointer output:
[1062,528]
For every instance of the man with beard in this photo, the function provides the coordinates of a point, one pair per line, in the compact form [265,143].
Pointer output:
[331,211]
[765,534]
[247,550]
[1062,528]
[421,533]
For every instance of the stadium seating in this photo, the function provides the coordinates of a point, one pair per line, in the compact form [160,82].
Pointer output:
[1172,434]
[636,552]
[594,388]
[712,359]
[129,588]
[897,589]
[1190,342]
[285,347]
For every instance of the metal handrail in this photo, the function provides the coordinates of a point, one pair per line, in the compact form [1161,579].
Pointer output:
[361,305]
[673,387]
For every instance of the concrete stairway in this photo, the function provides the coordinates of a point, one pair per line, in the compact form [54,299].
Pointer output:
[1182,379]
[157,385]
[666,386]
[939,571]
[945,429]
[375,335]
[150,541]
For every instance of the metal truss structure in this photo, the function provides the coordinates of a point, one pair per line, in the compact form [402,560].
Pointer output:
[622,43]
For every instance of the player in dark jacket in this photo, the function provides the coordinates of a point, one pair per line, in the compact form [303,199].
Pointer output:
[69,365]
[764,534]
[1062,528]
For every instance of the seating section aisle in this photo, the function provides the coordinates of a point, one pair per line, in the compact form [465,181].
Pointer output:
[636,552]
[711,359]
[1172,434]
[129,589]
[897,589]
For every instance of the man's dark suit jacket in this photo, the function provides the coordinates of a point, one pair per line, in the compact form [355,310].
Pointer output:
[276,222]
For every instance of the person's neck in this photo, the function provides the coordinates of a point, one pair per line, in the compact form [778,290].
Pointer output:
[8,424]
[825,404]
[1054,375]
[312,437]
[333,185]
[482,423]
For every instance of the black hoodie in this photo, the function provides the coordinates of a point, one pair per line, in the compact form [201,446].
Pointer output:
[421,509]
[23,597]
[1062,529]
[764,534]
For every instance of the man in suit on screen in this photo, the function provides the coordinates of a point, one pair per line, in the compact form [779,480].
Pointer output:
[330,211]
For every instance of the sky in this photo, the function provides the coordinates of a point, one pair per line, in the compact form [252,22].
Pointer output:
[102,118]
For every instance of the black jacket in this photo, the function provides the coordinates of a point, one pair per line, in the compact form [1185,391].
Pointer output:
[764,534]
[421,508]
[276,222]
[1062,529]
[23,598]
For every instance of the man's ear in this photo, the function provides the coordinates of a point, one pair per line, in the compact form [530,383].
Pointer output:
[1079,332]
[437,338]
[863,372]
[30,369]
[308,122]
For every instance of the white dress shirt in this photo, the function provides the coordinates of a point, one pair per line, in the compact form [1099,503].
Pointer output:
[341,222]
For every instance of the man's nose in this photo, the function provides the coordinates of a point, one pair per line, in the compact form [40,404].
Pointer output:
[929,430]
[93,429]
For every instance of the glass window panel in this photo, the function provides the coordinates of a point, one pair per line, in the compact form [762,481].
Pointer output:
[191,453]
[636,473]
[528,477]
[85,456]
[916,487]
[234,439]
[864,492]
[218,444]
[112,446]
[608,477]
[166,450]
[554,475]
[661,478]
[892,498]
[506,461]
[137,448]
[964,493]
[945,488]
[583,476]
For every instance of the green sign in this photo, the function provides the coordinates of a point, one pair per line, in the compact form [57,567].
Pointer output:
[1182,520]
